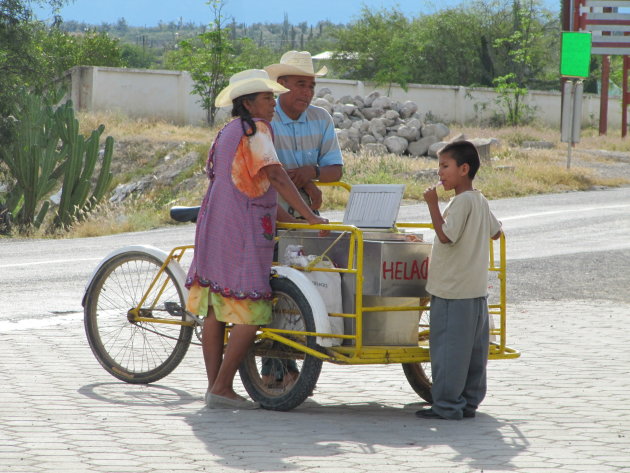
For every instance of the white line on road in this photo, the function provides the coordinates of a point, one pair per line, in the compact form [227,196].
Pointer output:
[556,212]
[52,261]
[34,323]
[503,219]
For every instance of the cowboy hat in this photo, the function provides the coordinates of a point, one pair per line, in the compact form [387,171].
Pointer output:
[295,63]
[247,82]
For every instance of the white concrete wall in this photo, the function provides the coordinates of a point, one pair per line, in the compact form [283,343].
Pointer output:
[472,105]
[166,94]
[136,92]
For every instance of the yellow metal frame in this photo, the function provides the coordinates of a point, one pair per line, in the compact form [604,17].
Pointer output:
[358,353]
[176,254]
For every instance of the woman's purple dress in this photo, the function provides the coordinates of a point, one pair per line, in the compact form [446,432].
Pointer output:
[235,234]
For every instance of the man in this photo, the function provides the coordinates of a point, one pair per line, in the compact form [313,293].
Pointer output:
[306,145]
[304,135]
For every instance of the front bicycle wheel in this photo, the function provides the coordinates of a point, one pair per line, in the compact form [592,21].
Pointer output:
[133,351]
[275,375]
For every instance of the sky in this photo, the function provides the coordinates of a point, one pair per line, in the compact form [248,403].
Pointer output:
[151,12]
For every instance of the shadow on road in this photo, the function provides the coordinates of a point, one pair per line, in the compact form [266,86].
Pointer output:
[137,394]
[276,441]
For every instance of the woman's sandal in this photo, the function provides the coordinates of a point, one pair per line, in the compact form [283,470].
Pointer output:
[214,401]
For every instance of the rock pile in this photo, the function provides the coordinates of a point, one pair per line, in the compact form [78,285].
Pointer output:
[376,124]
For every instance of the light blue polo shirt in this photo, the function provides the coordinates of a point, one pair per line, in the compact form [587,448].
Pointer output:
[309,140]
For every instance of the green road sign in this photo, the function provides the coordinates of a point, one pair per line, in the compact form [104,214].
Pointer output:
[575,58]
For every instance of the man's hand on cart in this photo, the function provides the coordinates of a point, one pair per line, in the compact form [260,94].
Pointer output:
[315,194]
[302,175]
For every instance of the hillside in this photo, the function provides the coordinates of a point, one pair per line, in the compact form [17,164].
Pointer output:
[156,41]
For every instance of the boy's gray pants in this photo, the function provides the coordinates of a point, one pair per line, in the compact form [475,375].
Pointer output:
[458,344]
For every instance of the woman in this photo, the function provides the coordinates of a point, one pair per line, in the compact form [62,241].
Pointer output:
[229,276]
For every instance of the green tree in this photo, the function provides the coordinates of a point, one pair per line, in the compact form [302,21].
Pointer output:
[379,46]
[471,44]
[510,97]
[62,50]
[137,56]
[22,62]
[209,57]
[121,25]
[100,49]
[250,56]
[523,60]
[325,40]
[453,48]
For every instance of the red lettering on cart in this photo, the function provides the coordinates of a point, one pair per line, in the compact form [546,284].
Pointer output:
[396,270]
[387,270]
[415,271]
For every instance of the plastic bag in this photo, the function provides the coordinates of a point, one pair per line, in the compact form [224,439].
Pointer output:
[328,284]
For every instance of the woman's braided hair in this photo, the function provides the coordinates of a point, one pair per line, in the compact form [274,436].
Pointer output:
[239,110]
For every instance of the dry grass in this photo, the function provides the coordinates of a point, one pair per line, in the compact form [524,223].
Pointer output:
[146,147]
[122,128]
[613,141]
[108,220]
[512,172]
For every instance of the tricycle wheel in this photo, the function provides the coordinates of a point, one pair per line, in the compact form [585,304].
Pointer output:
[416,373]
[136,352]
[418,379]
[275,375]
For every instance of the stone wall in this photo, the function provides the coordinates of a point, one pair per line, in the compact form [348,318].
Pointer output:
[375,124]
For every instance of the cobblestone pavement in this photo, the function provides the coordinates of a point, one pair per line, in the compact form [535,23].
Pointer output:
[564,406]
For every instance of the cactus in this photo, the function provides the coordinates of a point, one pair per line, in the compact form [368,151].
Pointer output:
[82,155]
[47,147]
[32,158]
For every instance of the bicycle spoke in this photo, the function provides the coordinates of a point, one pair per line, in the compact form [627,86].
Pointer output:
[131,346]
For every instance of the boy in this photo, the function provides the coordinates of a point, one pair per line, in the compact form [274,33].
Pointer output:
[458,284]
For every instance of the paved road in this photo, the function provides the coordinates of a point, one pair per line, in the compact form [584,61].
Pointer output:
[565,245]
[564,406]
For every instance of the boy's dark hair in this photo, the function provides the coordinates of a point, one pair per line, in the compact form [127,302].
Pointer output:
[463,152]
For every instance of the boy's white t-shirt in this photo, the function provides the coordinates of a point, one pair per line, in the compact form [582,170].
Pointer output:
[459,269]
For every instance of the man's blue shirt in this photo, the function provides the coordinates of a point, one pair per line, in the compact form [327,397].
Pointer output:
[309,140]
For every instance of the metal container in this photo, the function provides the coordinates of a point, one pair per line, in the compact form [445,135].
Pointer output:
[396,328]
[394,274]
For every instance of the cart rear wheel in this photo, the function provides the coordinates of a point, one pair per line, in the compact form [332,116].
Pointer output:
[132,351]
[419,374]
[418,379]
[275,375]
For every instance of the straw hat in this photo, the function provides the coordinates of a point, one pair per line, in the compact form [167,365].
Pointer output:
[247,82]
[295,63]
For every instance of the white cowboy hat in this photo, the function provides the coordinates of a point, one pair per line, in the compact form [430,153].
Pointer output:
[247,82]
[295,63]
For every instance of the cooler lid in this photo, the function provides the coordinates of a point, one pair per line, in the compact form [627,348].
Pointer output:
[373,205]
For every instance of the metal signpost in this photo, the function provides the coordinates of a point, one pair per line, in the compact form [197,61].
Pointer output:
[574,65]
[571,115]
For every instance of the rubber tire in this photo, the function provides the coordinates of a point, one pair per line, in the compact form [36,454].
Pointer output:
[135,353]
[416,373]
[418,380]
[283,398]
